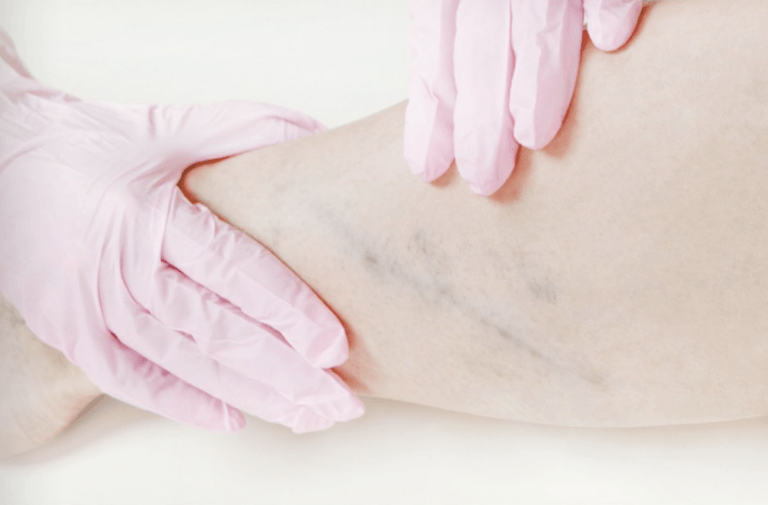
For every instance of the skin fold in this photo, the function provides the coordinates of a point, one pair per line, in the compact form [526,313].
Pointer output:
[618,278]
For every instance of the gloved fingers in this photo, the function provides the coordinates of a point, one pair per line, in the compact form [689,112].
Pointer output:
[237,341]
[546,38]
[428,143]
[310,419]
[204,132]
[241,271]
[130,377]
[181,356]
[484,145]
[610,23]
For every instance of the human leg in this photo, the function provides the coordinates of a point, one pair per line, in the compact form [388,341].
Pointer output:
[41,391]
[555,300]
[618,278]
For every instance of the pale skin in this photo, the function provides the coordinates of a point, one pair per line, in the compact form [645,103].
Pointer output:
[619,278]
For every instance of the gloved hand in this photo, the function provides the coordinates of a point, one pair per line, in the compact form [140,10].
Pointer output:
[487,74]
[162,305]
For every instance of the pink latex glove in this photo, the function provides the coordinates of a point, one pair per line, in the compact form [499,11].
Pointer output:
[163,305]
[489,74]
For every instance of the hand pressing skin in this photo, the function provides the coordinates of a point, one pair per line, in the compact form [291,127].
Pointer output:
[490,75]
[161,304]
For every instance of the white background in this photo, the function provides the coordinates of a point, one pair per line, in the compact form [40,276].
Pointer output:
[336,60]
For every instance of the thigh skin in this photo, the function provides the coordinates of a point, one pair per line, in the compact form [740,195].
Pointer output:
[619,278]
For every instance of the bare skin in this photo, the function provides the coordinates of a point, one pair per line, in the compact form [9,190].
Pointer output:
[41,391]
[618,279]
